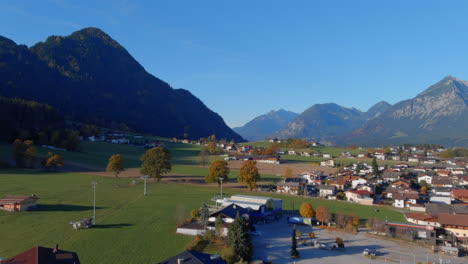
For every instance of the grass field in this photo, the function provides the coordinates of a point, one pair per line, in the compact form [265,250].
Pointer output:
[131,228]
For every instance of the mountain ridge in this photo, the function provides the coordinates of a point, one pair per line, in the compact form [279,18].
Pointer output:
[265,125]
[89,66]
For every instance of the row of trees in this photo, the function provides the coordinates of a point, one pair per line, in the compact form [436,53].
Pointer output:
[26,155]
[154,162]
[342,220]
[248,173]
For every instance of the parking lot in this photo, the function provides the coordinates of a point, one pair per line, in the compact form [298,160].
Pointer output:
[274,243]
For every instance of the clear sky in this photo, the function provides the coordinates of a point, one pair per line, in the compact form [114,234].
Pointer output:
[244,58]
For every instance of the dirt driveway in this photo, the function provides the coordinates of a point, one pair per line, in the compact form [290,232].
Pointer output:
[278,169]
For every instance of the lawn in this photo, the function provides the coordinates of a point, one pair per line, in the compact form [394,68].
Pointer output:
[131,228]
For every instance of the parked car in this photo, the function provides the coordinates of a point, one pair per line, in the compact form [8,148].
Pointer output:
[369,252]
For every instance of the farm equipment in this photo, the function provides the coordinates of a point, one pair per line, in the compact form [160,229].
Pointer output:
[85,223]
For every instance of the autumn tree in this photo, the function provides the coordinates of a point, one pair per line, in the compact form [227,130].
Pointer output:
[218,172]
[115,165]
[287,173]
[423,190]
[322,214]
[155,162]
[306,210]
[248,174]
[339,241]
[52,160]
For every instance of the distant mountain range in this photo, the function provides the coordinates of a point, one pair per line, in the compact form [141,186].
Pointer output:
[438,115]
[265,125]
[90,77]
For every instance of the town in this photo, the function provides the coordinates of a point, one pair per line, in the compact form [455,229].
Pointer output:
[429,193]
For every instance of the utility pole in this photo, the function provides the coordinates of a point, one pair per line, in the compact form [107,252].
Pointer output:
[144,190]
[94,201]
[221,180]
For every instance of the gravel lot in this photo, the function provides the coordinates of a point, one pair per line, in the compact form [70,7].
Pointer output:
[274,244]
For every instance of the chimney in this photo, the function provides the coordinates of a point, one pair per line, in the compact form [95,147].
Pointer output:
[180,261]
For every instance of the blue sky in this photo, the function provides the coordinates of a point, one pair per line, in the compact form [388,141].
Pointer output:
[244,58]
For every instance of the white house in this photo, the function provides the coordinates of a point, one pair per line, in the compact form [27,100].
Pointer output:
[357,182]
[327,156]
[327,163]
[327,190]
[441,199]
[426,178]
[291,152]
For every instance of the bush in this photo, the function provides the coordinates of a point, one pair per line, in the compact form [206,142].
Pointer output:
[227,254]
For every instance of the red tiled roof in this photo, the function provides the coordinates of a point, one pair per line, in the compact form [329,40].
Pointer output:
[360,192]
[15,199]
[460,194]
[453,219]
[420,217]
[43,255]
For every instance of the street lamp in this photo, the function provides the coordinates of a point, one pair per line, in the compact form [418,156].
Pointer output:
[144,188]
[94,201]
[221,181]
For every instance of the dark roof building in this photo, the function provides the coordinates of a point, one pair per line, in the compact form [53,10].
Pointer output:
[192,257]
[231,211]
[43,255]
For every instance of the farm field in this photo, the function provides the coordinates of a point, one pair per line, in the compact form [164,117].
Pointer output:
[131,228]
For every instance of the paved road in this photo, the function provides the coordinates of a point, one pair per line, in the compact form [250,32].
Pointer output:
[275,243]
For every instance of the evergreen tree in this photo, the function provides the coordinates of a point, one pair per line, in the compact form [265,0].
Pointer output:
[204,213]
[294,253]
[375,166]
[239,239]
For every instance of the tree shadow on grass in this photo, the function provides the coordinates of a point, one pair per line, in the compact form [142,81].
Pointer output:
[112,225]
[65,207]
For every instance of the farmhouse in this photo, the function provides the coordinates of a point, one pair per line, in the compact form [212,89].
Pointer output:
[327,190]
[455,224]
[18,203]
[43,255]
[191,228]
[402,200]
[327,163]
[289,187]
[360,197]
[227,214]
[422,219]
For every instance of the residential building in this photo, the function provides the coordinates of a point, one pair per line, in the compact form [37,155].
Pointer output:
[456,224]
[361,196]
[327,163]
[327,190]
[43,255]
[422,219]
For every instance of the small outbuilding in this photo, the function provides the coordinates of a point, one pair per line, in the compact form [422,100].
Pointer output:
[18,203]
